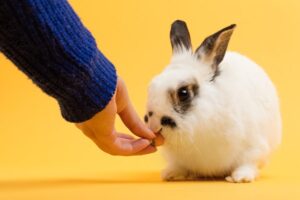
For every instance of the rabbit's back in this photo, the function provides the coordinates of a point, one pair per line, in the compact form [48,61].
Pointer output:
[250,92]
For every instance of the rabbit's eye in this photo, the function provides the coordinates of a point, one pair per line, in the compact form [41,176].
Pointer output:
[183,94]
[182,98]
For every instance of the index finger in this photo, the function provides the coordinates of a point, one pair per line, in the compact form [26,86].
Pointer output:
[133,122]
[127,147]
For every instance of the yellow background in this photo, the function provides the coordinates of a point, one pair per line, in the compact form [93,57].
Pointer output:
[43,157]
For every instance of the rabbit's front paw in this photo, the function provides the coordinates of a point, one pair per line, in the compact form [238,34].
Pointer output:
[243,174]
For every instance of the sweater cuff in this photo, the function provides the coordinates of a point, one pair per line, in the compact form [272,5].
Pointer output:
[94,93]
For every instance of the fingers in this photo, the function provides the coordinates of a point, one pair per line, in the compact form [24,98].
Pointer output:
[134,123]
[148,150]
[158,141]
[100,128]
[120,143]
[127,147]
[122,135]
[128,114]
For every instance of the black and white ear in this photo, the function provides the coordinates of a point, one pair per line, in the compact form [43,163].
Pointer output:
[180,37]
[213,48]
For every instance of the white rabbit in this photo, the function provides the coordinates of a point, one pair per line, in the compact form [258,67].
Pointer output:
[219,113]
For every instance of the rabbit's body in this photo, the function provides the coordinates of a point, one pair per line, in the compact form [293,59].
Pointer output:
[236,120]
[219,117]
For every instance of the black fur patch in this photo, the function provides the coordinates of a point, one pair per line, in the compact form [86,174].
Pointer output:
[180,36]
[213,48]
[168,121]
[216,74]
[150,113]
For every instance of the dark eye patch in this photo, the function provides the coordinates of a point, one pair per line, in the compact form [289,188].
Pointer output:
[182,97]
[183,94]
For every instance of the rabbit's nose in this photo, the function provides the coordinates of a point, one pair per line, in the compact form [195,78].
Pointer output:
[152,122]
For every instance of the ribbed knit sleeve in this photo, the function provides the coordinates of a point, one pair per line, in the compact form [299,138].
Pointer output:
[47,41]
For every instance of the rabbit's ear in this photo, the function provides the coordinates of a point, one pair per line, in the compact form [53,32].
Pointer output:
[180,36]
[213,48]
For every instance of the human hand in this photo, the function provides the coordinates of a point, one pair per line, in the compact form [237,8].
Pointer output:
[101,130]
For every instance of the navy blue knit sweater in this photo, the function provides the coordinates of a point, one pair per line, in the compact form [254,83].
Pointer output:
[47,41]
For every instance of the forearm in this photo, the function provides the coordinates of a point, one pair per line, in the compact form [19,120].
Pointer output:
[47,41]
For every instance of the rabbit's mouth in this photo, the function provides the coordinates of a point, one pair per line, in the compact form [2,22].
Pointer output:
[159,131]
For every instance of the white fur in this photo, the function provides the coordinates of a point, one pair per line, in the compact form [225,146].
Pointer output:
[233,126]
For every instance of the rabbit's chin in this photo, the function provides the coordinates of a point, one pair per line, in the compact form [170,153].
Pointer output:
[177,137]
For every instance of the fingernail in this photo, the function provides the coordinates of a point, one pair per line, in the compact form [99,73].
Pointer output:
[148,142]
[152,134]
